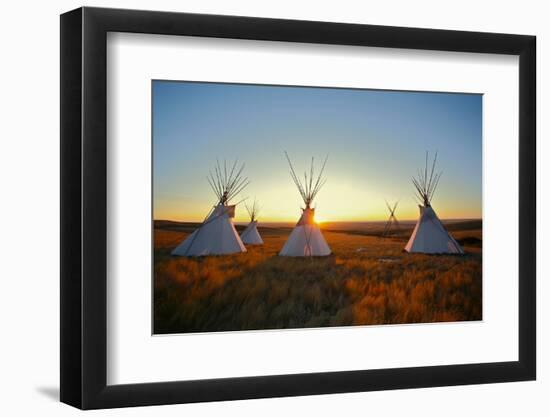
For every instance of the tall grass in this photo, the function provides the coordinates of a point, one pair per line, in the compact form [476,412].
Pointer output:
[379,284]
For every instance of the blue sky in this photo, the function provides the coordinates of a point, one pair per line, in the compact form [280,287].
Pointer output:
[376,140]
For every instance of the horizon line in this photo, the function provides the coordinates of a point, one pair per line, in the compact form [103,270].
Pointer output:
[328,221]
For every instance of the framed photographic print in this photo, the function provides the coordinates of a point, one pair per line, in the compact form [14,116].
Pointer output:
[258,208]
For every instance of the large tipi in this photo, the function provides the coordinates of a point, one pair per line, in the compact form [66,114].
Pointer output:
[250,235]
[306,238]
[429,234]
[217,234]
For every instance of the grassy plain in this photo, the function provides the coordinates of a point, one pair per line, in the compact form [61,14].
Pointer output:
[367,280]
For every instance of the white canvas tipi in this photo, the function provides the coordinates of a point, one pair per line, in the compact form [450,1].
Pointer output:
[250,235]
[429,234]
[217,234]
[306,238]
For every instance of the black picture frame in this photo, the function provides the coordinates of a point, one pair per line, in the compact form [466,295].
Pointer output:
[84,207]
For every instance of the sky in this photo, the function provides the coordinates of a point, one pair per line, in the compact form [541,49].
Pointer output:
[376,140]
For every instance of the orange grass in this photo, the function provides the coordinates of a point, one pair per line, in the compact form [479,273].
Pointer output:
[379,284]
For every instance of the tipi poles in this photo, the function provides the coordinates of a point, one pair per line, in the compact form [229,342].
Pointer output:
[252,210]
[392,220]
[426,181]
[296,180]
[320,182]
[395,221]
[308,189]
[227,183]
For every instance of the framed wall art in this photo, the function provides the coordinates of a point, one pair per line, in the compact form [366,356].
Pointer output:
[257,208]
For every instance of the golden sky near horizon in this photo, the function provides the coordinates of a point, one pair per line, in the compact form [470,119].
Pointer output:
[375,141]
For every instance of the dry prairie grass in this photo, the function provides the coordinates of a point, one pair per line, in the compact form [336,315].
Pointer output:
[379,284]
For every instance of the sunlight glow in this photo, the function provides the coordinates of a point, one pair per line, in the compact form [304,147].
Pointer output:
[319,220]
[375,141]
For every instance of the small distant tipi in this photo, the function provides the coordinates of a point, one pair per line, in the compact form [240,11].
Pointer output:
[217,234]
[250,235]
[429,234]
[306,238]
[392,225]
